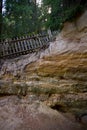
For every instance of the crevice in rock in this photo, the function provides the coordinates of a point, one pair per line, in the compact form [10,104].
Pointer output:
[59,107]
[6,94]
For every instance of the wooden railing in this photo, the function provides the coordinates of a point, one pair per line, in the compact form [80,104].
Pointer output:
[24,45]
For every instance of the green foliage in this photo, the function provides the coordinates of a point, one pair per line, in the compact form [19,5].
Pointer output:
[61,11]
[72,13]
[53,19]
[21,17]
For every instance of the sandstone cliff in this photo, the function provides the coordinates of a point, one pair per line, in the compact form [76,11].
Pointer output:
[56,76]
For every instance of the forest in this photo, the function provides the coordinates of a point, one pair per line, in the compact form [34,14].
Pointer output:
[21,17]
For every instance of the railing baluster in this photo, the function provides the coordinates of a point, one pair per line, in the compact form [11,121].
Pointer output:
[31,45]
[39,41]
[36,42]
[19,45]
[35,45]
[22,46]
[15,46]
[25,44]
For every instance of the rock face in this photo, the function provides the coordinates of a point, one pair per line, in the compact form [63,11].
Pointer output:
[18,114]
[57,76]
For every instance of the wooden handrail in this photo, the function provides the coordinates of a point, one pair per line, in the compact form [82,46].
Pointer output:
[24,45]
[22,39]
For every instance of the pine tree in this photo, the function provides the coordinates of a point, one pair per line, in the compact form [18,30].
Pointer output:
[62,10]
[20,18]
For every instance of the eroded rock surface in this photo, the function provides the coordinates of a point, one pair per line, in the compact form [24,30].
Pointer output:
[18,114]
[56,76]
